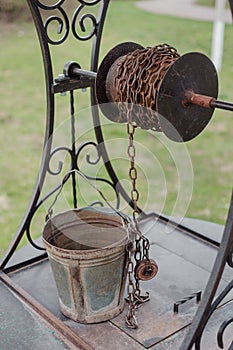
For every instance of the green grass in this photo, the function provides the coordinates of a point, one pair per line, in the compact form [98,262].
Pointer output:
[22,122]
[210,3]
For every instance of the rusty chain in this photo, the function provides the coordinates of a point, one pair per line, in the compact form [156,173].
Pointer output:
[137,80]
[139,244]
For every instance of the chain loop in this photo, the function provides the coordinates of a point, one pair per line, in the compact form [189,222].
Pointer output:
[137,80]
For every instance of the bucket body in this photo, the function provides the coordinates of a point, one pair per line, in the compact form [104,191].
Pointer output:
[87,253]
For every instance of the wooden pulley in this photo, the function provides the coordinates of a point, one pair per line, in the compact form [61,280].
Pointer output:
[178,115]
[145,270]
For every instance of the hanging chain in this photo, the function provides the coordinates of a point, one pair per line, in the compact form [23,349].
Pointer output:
[131,321]
[137,82]
[139,244]
[130,318]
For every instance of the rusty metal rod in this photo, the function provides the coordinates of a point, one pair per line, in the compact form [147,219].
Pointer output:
[190,97]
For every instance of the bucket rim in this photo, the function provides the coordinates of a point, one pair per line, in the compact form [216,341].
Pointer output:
[91,209]
[114,218]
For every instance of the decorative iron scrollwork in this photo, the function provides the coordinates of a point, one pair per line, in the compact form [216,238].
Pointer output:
[49,7]
[60,2]
[90,2]
[221,331]
[62,23]
[78,23]
[88,157]
[60,163]
[82,25]
[58,171]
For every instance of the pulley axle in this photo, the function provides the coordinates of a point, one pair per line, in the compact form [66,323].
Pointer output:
[204,101]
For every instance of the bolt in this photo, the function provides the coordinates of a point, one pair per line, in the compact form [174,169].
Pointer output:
[60,78]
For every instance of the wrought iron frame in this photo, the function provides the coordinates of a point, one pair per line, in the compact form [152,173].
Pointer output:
[85,79]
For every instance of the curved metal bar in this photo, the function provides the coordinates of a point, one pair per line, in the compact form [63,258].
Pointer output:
[49,7]
[230,258]
[54,190]
[89,3]
[211,310]
[87,178]
[82,20]
[48,132]
[61,24]
[60,163]
[97,203]
[58,171]
[91,162]
[204,310]
[42,201]
[64,23]
[221,331]
[88,157]
[36,246]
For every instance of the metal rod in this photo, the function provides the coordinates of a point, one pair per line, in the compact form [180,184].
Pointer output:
[83,72]
[73,153]
[190,97]
[222,105]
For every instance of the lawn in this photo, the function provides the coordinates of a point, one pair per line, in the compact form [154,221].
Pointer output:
[169,174]
[210,2]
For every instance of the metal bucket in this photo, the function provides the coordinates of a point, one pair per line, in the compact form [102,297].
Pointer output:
[87,252]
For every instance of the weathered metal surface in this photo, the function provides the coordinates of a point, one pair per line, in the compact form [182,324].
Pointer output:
[176,279]
[21,329]
[151,84]
[191,71]
[190,97]
[178,303]
[87,251]
[110,109]
[104,336]
[146,270]
[185,263]
[57,327]
[132,83]
[210,339]
[43,16]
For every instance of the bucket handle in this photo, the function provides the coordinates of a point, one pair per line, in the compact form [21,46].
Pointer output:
[125,218]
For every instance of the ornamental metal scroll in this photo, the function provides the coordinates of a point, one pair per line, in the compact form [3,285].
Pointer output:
[78,27]
[68,21]
[64,24]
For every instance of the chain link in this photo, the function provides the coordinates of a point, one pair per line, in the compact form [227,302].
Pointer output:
[135,299]
[137,80]
[130,318]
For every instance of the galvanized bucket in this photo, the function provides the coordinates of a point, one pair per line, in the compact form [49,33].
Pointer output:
[87,249]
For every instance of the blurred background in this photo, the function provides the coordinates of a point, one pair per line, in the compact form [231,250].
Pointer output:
[192,179]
